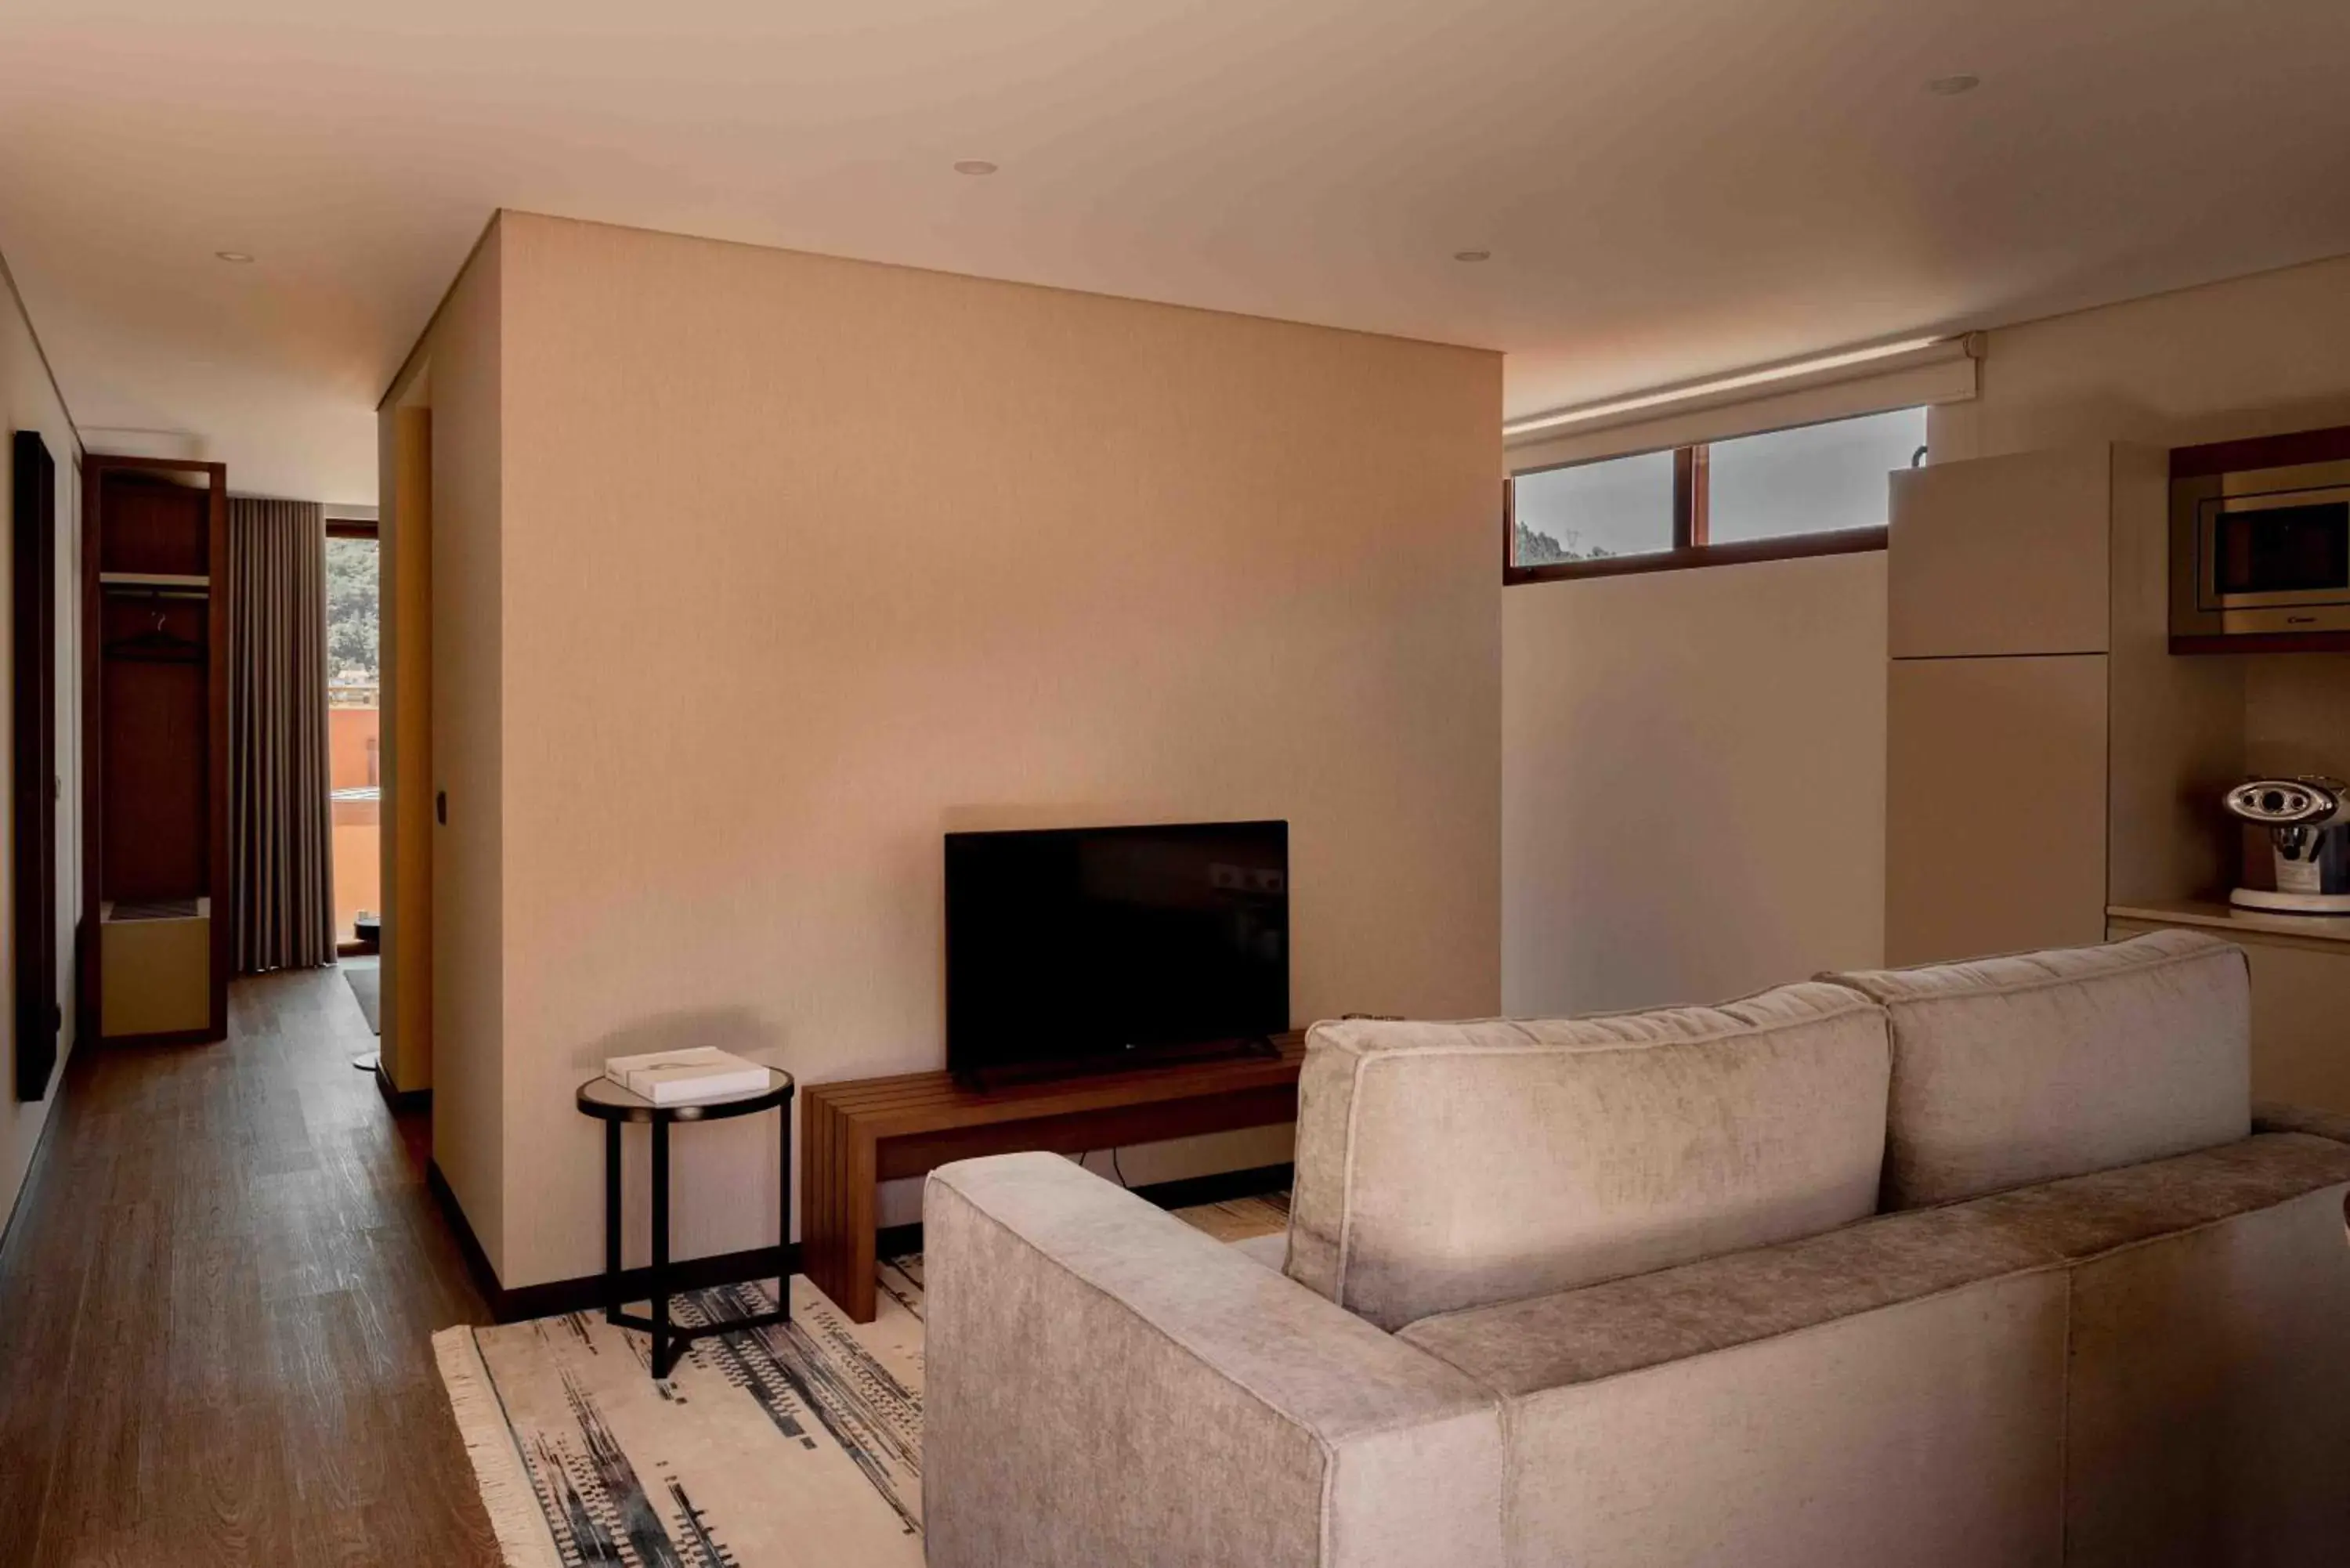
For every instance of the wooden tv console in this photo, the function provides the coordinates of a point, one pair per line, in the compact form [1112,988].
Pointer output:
[858,1134]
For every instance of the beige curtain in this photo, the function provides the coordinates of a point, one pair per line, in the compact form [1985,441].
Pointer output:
[281,831]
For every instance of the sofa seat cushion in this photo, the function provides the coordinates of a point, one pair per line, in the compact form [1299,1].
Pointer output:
[1602,1330]
[1270,1250]
[2283,1116]
[1450,1165]
[2010,1071]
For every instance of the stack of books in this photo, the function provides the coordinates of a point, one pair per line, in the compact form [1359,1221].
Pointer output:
[687,1078]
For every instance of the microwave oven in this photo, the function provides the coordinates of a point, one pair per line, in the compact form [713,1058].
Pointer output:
[2263,550]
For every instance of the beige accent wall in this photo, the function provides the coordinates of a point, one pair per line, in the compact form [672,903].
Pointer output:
[2297,714]
[29,400]
[798,561]
[1693,782]
[404,589]
[441,427]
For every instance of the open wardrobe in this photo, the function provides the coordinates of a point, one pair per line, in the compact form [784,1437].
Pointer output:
[154,935]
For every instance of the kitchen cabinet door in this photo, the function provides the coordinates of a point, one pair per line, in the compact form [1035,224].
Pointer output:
[1995,806]
[2002,555]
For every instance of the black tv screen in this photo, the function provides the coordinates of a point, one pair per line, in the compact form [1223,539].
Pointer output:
[1082,947]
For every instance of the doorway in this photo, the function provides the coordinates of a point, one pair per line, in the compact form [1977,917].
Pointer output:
[355,729]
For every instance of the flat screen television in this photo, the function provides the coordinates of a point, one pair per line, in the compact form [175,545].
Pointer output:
[1075,949]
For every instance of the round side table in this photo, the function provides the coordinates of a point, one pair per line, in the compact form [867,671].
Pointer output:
[612,1104]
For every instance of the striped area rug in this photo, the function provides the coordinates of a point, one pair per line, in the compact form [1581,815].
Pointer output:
[791,1446]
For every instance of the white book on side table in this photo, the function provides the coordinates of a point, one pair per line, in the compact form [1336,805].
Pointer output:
[687,1078]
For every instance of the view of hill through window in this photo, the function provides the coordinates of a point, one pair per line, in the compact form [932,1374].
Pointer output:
[1537,548]
[1805,480]
[351,618]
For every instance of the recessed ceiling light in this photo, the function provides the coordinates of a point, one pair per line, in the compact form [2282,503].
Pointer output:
[1952,87]
[1472,255]
[235,255]
[974,166]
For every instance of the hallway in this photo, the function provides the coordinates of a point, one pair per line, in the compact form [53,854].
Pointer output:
[215,1307]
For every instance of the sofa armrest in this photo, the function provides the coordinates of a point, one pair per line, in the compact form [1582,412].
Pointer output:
[2278,1116]
[1106,1385]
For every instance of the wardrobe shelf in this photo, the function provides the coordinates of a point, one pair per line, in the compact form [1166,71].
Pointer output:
[153,580]
[128,911]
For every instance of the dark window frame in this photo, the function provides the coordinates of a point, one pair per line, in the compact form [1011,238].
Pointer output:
[1692,503]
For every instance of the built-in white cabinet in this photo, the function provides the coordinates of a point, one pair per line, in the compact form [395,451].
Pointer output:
[2299,1053]
[1994,800]
[2002,556]
[2045,752]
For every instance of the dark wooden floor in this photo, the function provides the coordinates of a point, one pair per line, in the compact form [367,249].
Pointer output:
[215,1309]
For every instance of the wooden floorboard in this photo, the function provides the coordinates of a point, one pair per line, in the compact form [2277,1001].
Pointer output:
[216,1304]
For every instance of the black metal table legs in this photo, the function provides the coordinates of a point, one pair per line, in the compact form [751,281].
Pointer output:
[611,1221]
[664,1352]
[669,1338]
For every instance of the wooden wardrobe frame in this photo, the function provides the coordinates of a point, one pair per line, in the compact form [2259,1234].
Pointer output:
[88,937]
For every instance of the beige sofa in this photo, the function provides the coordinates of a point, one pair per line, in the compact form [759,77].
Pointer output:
[1981,1264]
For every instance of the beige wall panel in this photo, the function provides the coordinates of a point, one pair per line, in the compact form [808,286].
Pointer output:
[471,1083]
[2005,556]
[1995,804]
[2177,723]
[2297,713]
[802,558]
[1693,782]
[391,484]
[405,586]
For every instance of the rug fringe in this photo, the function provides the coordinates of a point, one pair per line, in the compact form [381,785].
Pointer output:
[524,1539]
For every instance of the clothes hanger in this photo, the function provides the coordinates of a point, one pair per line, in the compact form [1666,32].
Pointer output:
[158,645]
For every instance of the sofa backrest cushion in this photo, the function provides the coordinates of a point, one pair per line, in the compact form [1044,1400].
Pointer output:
[1441,1166]
[2009,1071]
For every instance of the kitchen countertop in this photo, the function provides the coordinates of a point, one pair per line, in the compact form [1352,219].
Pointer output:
[2322,930]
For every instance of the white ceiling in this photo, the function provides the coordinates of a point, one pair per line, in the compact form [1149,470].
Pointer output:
[1669,188]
